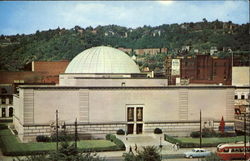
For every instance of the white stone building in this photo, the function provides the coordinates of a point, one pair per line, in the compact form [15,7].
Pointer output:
[104,89]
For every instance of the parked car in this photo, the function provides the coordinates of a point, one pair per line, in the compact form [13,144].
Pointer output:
[197,153]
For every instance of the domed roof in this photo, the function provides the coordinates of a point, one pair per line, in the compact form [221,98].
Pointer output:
[102,59]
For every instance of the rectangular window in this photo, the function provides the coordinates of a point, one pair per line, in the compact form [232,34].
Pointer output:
[242,97]
[235,97]
[130,114]
[139,114]
[3,101]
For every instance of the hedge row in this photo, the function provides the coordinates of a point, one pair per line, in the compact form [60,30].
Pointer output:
[115,140]
[11,147]
[188,145]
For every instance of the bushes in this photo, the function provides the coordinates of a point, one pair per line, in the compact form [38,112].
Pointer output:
[3,126]
[118,142]
[42,138]
[158,131]
[195,134]
[62,136]
[191,144]
[120,132]
[206,133]
[108,136]
[149,153]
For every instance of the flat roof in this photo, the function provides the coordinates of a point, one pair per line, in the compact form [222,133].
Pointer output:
[123,87]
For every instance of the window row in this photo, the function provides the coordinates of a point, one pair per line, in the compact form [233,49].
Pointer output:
[241,97]
[130,114]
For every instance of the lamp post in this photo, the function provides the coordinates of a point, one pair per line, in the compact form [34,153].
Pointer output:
[200,131]
[245,137]
[57,130]
[160,148]
[76,135]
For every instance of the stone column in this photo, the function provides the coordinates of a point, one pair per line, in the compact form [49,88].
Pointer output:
[134,131]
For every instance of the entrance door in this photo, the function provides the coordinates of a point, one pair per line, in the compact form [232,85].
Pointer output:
[10,111]
[3,112]
[138,128]
[130,128]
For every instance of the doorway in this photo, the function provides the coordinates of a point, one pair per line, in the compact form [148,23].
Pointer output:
[130,129]
[3,112]
[138,128]
[11,112]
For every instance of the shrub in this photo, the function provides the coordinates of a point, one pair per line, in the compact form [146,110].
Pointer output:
[108,136]
[42,138]
[227,134]
[195,134]
[120,132]
[158,131]
[118,142]
[63,136]
[3,126]
[149,153]
[209,133]
[205,133]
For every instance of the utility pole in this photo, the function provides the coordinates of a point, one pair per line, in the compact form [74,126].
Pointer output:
[200,130]
[57,130]
[245,137]
[76,134]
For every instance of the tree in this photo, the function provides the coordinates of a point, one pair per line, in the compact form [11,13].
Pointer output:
[222,125]
[149,153]
[67,152]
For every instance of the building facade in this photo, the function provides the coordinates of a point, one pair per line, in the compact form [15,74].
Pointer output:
[105,96]
[203,69]
[6,101]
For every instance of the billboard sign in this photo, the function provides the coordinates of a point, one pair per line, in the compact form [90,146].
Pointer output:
[175,67]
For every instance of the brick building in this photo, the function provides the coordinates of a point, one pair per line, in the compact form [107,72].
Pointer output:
[36,72]
[201,69]
[40,72]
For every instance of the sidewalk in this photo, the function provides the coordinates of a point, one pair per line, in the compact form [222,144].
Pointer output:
[148,140]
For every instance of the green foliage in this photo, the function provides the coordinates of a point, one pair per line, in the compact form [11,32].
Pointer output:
[63,136]
[117,141]
[59,44]
[11,146]
[157,131]
[187,142]
[42,138]
[195,134]
[120,132]
[66,152]
[108,136]
[206,133]
[149,153]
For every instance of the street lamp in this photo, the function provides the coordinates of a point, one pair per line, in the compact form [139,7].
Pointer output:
[200,131]
[160,146]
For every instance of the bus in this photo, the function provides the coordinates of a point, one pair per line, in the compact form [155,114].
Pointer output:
[232,151]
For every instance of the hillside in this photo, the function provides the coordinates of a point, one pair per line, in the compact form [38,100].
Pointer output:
[63,44]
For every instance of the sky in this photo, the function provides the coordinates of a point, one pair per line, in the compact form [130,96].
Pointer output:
[26,17]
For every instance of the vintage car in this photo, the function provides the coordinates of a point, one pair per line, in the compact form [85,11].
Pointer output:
[197,153]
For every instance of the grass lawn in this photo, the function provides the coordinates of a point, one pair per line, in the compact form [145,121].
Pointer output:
[211,140]
[188,142]
[11,146]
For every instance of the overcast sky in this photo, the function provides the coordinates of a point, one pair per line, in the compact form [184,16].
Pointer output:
[28,17]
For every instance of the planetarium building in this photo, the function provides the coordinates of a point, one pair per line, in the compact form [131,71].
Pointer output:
[104,90]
